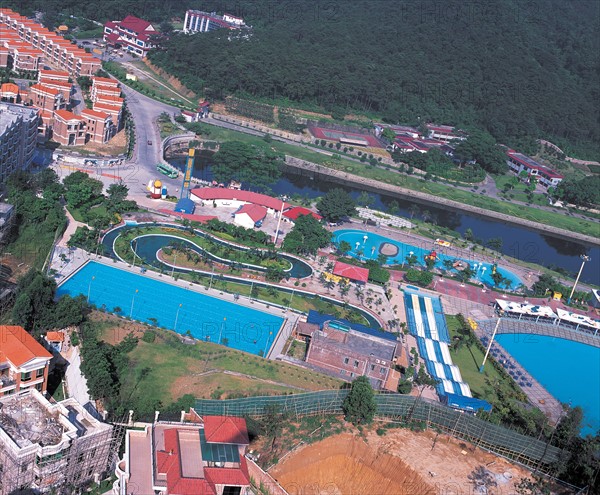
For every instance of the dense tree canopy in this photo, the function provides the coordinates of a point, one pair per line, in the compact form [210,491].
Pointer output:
[256,167]
[582,192]
[481,148]
[510,67]
[336,205]
[307,236]
[359,407]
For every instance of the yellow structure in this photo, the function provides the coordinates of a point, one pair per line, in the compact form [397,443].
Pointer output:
[334,278]
[557,296]
[472,323]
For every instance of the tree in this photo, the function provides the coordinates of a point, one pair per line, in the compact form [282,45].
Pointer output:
[394,207]
[359,406]
[307,236]
[482,148]
[413,210]
[81,192]
[242,162]
[582,192]
[336,205]
[344,248]
[365,199]
[389,134]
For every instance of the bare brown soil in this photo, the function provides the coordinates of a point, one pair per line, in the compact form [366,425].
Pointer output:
[400,462]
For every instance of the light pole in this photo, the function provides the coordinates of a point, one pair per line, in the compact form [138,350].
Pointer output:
[222,325]
[90,288]
[134,251]
[132,301]
[584,258]
[487,351]
[212,273]
[251,289]
[291,297]
[176,318]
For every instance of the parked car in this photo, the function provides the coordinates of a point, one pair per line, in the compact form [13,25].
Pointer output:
[149,143]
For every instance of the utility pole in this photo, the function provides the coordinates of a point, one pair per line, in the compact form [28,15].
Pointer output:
[584,258]
[487,351]
[279,223]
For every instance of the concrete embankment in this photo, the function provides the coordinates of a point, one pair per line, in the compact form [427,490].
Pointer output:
[314,170]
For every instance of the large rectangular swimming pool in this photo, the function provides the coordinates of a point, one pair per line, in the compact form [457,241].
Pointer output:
[176,308]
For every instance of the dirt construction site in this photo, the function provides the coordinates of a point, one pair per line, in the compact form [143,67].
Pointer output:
[401,462]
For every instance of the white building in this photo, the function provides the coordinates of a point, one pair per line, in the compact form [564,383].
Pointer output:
[18,137]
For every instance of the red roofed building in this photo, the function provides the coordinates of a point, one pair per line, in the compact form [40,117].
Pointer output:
[98,126]
[354,273]
[293,213]
[519,162]
[68,128]
[250,216]
[235,198]
[46,98]
[132,33]
[23,361]
[204,456]
[9,92]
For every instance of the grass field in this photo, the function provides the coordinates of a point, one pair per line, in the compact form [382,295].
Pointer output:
[468,360]
[168,369]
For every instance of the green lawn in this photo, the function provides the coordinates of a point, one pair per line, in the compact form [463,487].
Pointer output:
[167,369]
[469,360]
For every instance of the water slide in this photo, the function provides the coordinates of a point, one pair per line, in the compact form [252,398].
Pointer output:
[431,318]
[431,354]
[455,373]
[448,386]
[445,353]
[420,328]
[465,389]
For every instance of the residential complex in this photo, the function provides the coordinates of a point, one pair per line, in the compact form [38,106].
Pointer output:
[27,45]
[198,456]
[197,21]
[132,33]
[18,137]
[45,447]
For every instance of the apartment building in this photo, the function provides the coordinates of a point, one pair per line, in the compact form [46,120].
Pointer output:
[48,47]
[54,75]
[65,88]
[106,97]
[132,33]
[10,93]
[197,456]
[45,97]
[445,133]
[18,137]
[23,361]
[98,126]
[197,21]
[68,129]
[50,448]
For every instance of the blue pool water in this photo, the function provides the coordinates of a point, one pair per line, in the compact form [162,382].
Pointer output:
[174,307]
[569,370]
[369,249]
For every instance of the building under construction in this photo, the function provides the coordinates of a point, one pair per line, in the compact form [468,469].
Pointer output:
[45,447]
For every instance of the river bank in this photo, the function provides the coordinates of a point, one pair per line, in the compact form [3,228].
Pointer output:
[343,177]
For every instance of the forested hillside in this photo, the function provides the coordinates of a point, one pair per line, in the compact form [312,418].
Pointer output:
[519,69]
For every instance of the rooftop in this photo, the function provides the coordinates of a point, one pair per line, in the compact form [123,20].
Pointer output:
[350,271]
[215,193]
[19,347]
[355,342]
[226,429]
[296,211]
[255,212]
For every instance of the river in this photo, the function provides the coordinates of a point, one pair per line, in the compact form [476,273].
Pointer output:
[518,242]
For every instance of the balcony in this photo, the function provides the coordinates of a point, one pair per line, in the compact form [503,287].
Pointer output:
[6,382]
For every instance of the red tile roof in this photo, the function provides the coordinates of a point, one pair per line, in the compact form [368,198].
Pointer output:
[135,24]
[225,429]
[296,211]
[19,347]
[350,271]
[94,114]
[45,89]
[66,115]
[192,218]
[213,193]
[55,337]
[9,88]
[255,212]
[168,462]
[229,476]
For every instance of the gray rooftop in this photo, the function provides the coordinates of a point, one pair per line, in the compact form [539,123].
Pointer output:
[9,113]
[358,343]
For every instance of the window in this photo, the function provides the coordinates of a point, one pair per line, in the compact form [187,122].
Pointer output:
[342,372]
[25,377]
[351,375]
[355,364]
[39,373]
[382,371]
[346,360]
[372,367]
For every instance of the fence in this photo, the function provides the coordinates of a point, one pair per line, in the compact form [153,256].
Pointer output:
[498,439]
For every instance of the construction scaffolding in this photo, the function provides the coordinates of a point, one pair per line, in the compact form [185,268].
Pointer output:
[401,408]
[48,447]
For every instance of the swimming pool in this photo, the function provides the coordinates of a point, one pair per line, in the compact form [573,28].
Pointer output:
[367,245]
[175,308]
[569,370]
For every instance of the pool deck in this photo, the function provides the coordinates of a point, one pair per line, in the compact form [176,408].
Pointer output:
[77,258]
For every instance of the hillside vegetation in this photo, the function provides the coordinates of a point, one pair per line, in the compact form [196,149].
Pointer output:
[521,70]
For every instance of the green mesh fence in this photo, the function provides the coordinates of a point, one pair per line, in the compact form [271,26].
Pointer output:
[495,438]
